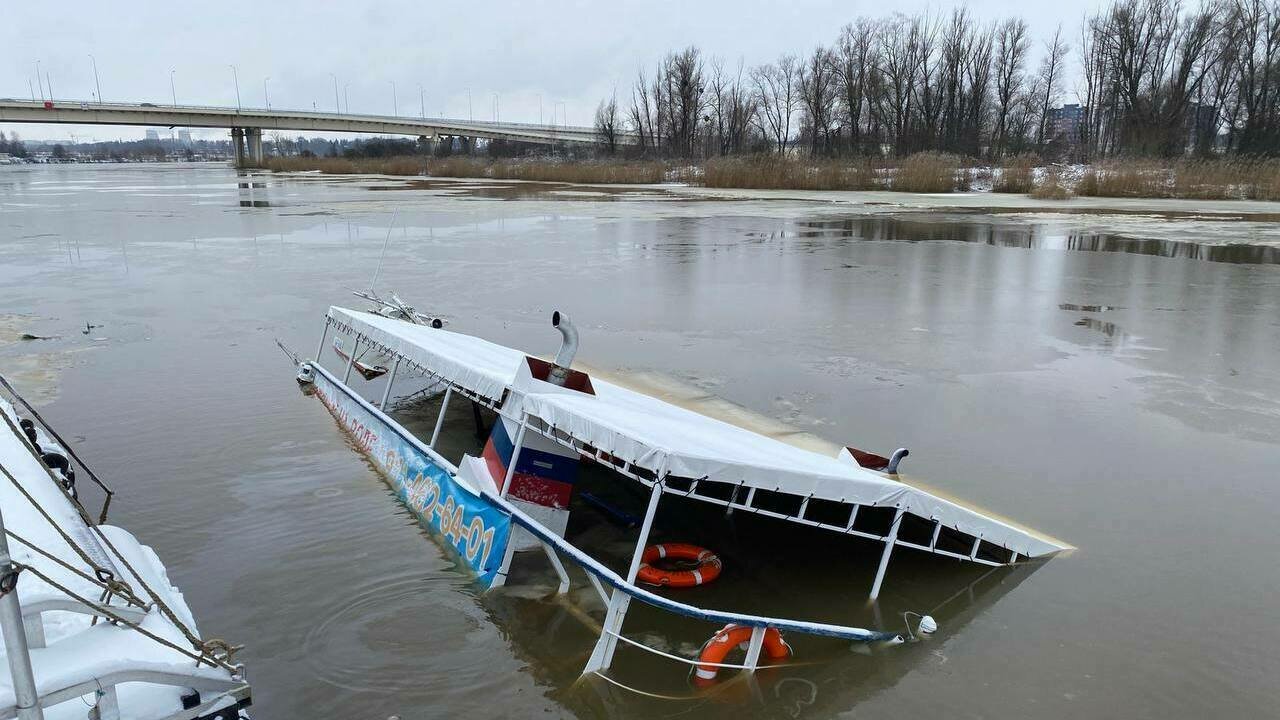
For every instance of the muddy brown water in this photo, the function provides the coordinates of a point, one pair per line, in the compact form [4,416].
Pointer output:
[1121,391]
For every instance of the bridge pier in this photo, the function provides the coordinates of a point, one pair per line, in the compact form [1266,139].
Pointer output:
[247,144]
[254,136]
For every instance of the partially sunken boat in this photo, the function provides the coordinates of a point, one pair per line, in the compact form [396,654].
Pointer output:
[92,624]
[550,421]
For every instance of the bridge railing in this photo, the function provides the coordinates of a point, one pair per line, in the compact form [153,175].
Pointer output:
[81,104]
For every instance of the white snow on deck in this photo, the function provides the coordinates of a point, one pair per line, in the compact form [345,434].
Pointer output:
[75,652]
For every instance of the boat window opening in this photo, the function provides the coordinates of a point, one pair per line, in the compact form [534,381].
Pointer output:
[715,490]
[994,553]
[778,502]
[916,530]
[828,512]
[875,520]
[679,484]
[955,542]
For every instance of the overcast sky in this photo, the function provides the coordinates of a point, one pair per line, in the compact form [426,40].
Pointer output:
[566,52]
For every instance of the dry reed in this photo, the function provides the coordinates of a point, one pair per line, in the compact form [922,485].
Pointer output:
[1017,175]
[930,172]
[773,172]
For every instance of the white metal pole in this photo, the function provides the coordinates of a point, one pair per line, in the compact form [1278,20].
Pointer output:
[753,648]
[27,701]
[515,456]
[386,392]
[444,407]
[602,655]
[323,334]
[500,578]
[351,358]
[889,542]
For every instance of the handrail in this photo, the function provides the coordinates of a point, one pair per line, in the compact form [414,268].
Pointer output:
[594,567]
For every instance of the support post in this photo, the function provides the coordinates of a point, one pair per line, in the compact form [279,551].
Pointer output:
[515,456]
[254,136]
[890,540]
[18,655]
[108,707]
[351,358]
[500,578]
[753,649]
[444,407]
[554,559]
[237,145]
[323,335]
[386,392]
[602,656]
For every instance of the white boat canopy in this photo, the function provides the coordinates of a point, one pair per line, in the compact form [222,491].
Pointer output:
[666,439]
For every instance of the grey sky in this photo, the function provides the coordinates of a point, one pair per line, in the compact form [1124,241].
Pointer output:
[570,52]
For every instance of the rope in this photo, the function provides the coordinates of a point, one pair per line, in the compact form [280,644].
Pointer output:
[164,608]
[207,648]
[65,446]
[106,579]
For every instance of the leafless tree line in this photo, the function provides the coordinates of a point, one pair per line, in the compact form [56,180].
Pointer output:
[1155,77]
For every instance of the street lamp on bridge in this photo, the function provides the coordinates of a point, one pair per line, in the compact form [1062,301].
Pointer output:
[172,92]
[422,98]
[236,76]
[266,96]
[395,106]
[96,84]
[336,107]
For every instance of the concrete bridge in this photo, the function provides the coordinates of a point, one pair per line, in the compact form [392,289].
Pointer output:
[247,124]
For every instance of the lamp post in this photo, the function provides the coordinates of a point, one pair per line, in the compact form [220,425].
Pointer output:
[422,99]
[346,99]
[172,92]
[395,106]
[96,84]
[470,115]
[266,96]
[235,75]
[495,107]
[336,107]
[39,82]
[539,108]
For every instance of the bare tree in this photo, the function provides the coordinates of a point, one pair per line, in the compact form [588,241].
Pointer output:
[818,97]
[1011,46]
[1055,52]
[777,95]
[607,123]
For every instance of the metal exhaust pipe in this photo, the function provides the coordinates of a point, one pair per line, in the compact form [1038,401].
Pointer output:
[892,467]
[568,348]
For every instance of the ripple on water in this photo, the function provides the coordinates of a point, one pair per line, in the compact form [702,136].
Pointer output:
[370,637]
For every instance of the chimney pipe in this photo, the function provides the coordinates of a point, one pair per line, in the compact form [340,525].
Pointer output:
[568,348]
[898,454]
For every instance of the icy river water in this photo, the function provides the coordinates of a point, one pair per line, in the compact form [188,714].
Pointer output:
[1109,377]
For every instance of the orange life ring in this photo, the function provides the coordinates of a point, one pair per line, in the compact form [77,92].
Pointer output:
[708,568]
[729,637]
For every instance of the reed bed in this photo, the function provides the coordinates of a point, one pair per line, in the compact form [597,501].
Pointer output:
[348,166]
[1050,187]
[1215,179]
[771,172]
[930,172]
[1017,175]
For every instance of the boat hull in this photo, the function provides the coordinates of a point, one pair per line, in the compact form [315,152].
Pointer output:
[461,517]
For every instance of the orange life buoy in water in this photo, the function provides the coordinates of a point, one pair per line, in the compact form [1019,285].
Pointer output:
[729,637]
[708,568]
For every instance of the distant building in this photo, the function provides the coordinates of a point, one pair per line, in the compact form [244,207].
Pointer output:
[1066,124]
[1201,127]
[153,135]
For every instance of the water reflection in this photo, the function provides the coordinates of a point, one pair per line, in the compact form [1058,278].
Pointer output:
[1032,237]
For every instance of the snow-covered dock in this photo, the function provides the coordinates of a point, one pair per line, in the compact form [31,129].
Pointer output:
[92,623]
